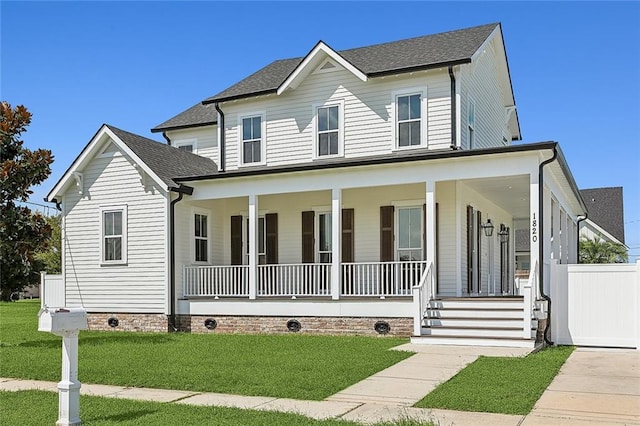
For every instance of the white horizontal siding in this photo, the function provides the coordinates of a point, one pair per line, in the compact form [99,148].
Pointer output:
[138,286]
[479,81]
[206,138]
[368,122]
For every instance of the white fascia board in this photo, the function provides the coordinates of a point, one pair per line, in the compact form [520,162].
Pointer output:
[589,223]
[90,152]
[483,46]
[311,60]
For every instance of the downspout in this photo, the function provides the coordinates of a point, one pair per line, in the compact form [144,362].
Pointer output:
[54,200]
[541,245]
[580,219]
[181,190]
[164,135]
[454,130]
[222,138]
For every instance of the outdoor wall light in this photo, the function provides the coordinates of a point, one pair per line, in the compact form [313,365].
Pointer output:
[503,233]
[488,228]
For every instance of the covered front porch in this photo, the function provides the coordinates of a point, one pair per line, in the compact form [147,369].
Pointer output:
[398,240]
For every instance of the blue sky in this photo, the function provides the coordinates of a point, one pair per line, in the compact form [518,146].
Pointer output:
[575,67]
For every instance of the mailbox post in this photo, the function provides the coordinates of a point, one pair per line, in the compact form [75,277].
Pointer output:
[66,322]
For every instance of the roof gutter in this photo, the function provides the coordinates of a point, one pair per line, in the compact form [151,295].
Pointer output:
[221,128]
[181,190]
[541,244]
[580,219]
[164,135]
[454,130]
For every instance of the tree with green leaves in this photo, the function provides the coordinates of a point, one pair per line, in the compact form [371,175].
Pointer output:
[597,250]
[51,255]
[22,232]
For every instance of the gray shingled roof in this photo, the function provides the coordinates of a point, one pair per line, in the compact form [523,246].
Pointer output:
[388,58]
[412,54]
[605,208]
[197,115]
[166,161]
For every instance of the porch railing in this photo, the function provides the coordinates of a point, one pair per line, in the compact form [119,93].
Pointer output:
[381,278]
[423,292]
[304,279]
[213,281]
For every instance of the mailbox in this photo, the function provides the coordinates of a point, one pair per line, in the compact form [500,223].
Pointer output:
[61,320]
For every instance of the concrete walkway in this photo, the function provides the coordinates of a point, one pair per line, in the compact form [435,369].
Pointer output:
[600,387]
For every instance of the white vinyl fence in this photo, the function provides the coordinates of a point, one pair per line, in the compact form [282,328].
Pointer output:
[52,290]
[596,304]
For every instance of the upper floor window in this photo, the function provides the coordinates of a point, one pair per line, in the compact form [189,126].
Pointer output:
[328,130]
[409,119]
[201,237]
[252,139]
[471,120]
[114,235]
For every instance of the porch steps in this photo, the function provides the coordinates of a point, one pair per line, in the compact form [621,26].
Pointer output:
[480,321]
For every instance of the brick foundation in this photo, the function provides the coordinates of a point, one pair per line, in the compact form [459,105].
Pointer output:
[310,325]
[129,322]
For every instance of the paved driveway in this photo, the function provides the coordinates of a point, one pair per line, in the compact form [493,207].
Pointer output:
[595,386]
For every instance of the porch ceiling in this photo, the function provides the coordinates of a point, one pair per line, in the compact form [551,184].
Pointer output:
[510,193]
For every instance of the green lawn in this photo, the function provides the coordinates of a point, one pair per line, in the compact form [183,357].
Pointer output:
[41,408]
[288,366]
[499,384]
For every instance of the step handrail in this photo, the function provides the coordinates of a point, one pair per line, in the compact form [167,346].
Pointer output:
[422,294]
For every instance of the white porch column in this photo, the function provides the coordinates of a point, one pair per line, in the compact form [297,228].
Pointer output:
[534,224]
[253,246]
[430,230]
[336,242]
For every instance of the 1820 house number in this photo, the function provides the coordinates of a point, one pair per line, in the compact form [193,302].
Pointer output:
[534,228]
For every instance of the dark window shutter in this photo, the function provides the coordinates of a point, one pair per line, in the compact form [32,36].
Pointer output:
[470,239]
[236,240]
[386,234]
[308,252]
[271,225]
[347,235]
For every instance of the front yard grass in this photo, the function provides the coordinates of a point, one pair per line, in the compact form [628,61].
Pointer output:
[499,384]
[294,366]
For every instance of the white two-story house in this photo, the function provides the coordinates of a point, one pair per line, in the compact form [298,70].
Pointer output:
[370,190]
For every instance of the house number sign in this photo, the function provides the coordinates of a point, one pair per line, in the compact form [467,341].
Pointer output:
[534,228]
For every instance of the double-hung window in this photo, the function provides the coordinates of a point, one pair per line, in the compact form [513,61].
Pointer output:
[328,130]
[409,120]
[409,233]
[324,238]
[114,235]
[262,241]
[201,237]
[252,139]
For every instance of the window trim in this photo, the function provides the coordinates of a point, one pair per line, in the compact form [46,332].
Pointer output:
[183,142]
[422,91]
[192,238]
[245,238]
[111,209]
[314,126]
[263,138]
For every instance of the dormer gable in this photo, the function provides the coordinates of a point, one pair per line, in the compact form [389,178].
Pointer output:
[315,58]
